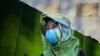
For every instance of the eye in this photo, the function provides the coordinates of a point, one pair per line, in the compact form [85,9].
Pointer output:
[54,25]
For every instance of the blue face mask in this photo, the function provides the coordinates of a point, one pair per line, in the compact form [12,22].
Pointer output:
[53,35]
[61,34]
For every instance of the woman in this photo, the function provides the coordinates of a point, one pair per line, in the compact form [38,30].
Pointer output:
[58,36]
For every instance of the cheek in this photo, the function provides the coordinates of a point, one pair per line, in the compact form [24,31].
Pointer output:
[51,27]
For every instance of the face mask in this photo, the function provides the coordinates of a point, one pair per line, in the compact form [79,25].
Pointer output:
[59,34]
[53,35]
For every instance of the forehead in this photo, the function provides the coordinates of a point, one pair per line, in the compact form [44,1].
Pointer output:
[51,21]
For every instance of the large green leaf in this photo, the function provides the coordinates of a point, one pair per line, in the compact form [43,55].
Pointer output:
[88,44]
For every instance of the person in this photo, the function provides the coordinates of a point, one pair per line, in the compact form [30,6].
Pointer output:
[58,36]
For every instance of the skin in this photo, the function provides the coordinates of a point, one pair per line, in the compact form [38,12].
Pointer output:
[51,24]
